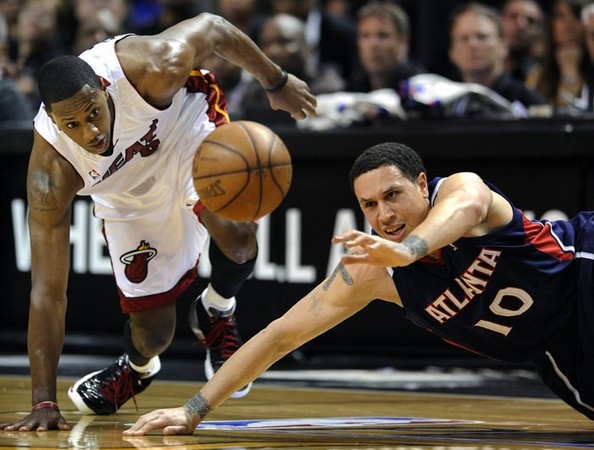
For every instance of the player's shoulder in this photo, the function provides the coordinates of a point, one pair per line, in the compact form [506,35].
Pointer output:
[159,59]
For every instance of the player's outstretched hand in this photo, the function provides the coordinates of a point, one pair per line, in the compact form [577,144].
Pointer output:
[40,420]
[170,420]
[374,250]
[295,98]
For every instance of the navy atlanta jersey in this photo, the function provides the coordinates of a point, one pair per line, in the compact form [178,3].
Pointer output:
[504,295]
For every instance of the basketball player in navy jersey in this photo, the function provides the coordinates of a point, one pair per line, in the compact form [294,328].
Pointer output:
[121,124]
[461,260]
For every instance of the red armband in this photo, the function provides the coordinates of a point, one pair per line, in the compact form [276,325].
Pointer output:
[46,404]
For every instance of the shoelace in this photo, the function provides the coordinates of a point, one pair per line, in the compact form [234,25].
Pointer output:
[222,337]
[119,389]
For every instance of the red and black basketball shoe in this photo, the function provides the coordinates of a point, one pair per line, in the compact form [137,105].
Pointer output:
[105,391]
[217,331]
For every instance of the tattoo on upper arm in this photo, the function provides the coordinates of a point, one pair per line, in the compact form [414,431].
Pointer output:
[40,192]
[197,406]
[344,274]
[416,246]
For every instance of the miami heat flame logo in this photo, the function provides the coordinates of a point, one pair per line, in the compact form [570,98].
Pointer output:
[136,262]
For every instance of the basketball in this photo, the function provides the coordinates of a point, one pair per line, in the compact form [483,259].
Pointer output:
[242,171]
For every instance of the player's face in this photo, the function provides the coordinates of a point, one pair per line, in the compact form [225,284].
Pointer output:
[393,205]
[85,118]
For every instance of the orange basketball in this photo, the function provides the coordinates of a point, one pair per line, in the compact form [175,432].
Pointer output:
[242,171]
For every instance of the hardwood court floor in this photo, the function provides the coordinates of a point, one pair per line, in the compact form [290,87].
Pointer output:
[313,418]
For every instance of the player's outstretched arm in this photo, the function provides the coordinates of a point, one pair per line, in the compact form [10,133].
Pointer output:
[51,187]
[465,207]
[184,46]
[344,293]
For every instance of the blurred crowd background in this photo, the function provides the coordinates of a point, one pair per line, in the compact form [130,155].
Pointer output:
[369,62]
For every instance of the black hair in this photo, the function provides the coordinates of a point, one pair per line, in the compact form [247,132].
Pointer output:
[62,77]
[388,154]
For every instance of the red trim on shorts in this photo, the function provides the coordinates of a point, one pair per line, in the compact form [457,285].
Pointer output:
[139,304]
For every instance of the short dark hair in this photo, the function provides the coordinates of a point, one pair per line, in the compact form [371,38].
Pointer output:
[388,154]
[391,11]
[62,77]
[478,9]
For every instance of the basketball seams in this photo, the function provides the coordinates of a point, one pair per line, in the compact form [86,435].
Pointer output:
[230,149]
[246,169]
[258,167]
[271,166]
[224,173]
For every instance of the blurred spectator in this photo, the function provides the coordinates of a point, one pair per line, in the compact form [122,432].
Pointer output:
[588,22]
[165,14]
[331,39]
[478,52]
[561,79]
[97,20]
[10,10]
[383,36]
[13,104]
[233,81]
[244,14]
[524,36]
[341,8]
[282,39]
[39,39]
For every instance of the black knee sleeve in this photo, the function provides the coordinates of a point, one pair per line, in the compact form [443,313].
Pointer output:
[129,348]
[227,277]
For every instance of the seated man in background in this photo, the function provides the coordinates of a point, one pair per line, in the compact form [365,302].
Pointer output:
[282,39]
[383,35]
[524,36]
[478,51]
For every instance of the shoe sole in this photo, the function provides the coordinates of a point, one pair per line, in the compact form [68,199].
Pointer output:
[77,399]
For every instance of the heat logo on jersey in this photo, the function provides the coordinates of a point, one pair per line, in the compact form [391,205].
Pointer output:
[137,260]
[145,146]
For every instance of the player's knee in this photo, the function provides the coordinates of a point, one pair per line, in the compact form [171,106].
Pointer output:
[239,244]
[154,343]
[152,333]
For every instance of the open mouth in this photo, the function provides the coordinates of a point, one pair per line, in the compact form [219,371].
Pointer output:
[395,232]
[98,143]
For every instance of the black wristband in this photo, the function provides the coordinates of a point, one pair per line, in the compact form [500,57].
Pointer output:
[281,84]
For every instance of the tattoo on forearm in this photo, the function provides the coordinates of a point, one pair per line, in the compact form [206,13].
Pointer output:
[197,406]
[416,246]
[344,274]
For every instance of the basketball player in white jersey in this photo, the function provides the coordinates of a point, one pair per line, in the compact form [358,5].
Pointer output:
[121,124]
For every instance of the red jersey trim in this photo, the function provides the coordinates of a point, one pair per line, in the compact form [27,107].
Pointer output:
[541,236]
[207,84]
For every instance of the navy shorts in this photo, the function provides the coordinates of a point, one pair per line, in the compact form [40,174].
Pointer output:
[567,366]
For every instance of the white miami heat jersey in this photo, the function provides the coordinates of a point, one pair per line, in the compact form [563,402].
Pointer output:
[149,143]
[144,191]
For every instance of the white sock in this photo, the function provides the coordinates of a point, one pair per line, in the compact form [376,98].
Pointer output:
[149,369]
[211,298]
